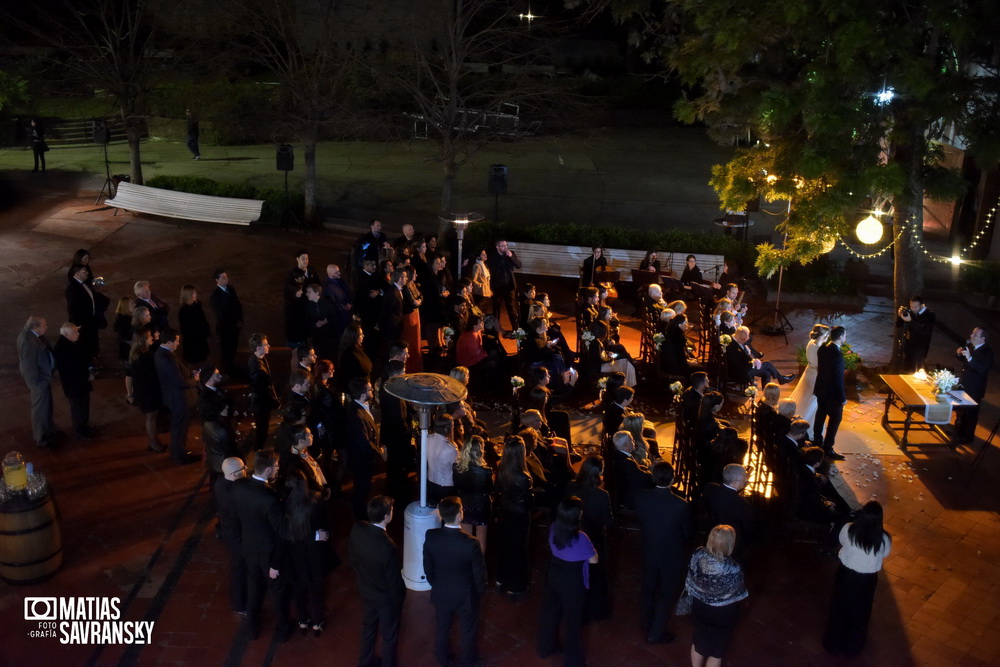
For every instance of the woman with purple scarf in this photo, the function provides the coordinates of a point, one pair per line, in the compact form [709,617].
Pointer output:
[567,583]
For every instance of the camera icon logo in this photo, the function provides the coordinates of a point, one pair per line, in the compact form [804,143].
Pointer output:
[40,609]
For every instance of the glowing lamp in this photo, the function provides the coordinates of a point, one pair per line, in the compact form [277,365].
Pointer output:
[869,230]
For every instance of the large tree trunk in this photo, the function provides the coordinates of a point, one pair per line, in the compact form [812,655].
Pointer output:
[133,131]
[311,214]
[908,255]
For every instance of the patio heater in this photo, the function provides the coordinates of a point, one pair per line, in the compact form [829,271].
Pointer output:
[460,222]
[423,391]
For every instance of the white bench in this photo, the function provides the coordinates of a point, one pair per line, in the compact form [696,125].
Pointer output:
[184,205]
[565,261]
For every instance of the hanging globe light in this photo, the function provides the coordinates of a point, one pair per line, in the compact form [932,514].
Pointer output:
[829,243]
[869,230]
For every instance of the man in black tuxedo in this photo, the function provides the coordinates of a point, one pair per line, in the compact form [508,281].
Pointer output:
[390,321]
[176,385]
[298,394]
[830,393]
[615,413]
[726,505]
[665,527]
[320,315]
[159,310]
[233,469]
[263,396]
[369,245]
[375,560]
[691,398]
[816,499]
[501,263]
[744,364]
[362,443]
[368,304]
[918,325]
[81,308]
[977,358]
[395,433]
[263,531]
[73,361]
[630,479]
[228,319]
[456,571]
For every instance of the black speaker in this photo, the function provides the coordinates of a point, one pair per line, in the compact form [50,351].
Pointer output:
[101,132]
[498,179]
[285,157]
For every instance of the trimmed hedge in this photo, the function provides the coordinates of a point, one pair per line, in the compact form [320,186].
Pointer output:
[483,235]
[274,198]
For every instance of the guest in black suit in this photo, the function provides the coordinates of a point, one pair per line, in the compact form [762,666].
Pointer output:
[370,245]
[362,443]
[816,499]
[263,397]
[375,560]
[918,325]
[501,264]
[596,261]
[263,533]
[977,358]
[320,314]
[176,386]
[514,521]
[630,479]
[228,319]
[73,361]
[82,308]
[233,469]
[390,321]
[456,571]
[726,506]
[395,434]
[691,398]
[308,557]
[295,298]
[665,527]
[674,356]
[614,412]
[830,393]
[743,364]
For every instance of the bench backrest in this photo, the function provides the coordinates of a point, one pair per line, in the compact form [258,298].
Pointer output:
[565,261]
[185,205]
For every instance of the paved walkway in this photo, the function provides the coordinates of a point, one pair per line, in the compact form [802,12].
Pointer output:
[137,527]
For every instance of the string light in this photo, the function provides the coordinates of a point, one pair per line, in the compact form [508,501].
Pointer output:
[982,232]
[874,254]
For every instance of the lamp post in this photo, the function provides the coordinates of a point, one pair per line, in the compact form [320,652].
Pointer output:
[423,391]
[460,221]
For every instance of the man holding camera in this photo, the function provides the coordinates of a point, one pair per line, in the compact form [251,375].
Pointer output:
[918,325]
[977,358]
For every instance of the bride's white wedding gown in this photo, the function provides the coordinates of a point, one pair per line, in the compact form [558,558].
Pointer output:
[805,401]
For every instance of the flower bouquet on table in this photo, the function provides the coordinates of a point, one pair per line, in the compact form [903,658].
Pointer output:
[943,381]
[658,340]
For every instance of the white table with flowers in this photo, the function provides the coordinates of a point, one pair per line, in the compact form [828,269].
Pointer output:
[932,397]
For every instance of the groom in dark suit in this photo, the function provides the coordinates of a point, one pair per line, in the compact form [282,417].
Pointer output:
[830,393]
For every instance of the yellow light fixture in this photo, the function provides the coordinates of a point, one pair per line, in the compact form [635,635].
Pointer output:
[956,260]
[869,230]
[829,243]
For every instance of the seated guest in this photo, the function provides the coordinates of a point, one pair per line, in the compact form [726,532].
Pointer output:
[767,406]
[630,478]
[654,302]
[782,420]
[644,435]
[525,299]
[611,356]
[743,365]
[667,315]
[535,417]
[726,505]
[674,356]
[469,352]
[587,307]
[615,412]
[691,398]
[727,323]
[816,500]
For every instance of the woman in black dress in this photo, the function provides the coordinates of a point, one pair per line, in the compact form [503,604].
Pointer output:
[123,329]
[650,262]
[352,361]
[597,518]
[308,556]
[146,383]
[715,584]
[194,327]
[474,485]
[514,518]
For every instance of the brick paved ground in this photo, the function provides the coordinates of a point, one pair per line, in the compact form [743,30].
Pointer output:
[137,527]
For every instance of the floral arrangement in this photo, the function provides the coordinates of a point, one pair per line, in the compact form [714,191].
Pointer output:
[677,388]
[852,360]
[658,340]
[519,334]
[602,383]
[943,381]
[449,333]
[517,382]
[751,391]
[586,337]
[725,340]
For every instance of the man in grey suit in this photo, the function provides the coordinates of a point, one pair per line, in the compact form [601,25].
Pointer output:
[176,384]
[36,363]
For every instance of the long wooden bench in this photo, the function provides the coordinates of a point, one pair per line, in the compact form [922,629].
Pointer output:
[565,261]
[184,205]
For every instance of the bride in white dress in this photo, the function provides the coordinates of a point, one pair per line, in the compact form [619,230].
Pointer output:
[803,396]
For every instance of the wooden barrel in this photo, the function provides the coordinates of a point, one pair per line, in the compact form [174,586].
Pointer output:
[30,541]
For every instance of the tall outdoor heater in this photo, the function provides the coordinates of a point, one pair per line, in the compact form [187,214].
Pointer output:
[460,221]
[423,391]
